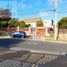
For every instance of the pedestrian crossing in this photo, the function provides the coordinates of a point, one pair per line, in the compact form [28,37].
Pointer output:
[30,59]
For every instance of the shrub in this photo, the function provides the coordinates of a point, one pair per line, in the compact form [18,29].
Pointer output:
[22,24]
[39,24]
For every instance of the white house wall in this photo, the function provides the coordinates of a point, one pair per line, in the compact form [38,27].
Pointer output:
[47,23]
[32,24]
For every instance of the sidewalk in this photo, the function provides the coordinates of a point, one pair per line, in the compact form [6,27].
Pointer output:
[49,39]
[5,36]
[59,40]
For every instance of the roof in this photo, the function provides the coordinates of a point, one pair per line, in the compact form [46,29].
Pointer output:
[29,20]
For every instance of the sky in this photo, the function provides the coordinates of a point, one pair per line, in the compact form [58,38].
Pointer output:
[35,8]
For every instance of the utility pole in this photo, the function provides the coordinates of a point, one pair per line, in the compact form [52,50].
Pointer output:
[56,26]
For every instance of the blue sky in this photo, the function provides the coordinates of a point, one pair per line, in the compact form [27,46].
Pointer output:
[35,8]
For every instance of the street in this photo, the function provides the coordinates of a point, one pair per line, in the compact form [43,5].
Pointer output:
[33,46]
[42,47]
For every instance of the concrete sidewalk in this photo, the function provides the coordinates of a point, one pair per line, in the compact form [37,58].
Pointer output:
[5,36]
[59,40]
[49,39]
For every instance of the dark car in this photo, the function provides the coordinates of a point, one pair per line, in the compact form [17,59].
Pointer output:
[18,34]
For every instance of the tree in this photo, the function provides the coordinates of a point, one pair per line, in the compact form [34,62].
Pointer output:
[13,22]
[28,25]
[0,23]
[22,24]
[62,24]
[39,23]
[5,13]
[3,23]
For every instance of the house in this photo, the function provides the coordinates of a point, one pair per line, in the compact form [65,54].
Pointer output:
[31,21]
[49,25]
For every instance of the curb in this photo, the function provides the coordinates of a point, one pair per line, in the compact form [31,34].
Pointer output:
[55,41]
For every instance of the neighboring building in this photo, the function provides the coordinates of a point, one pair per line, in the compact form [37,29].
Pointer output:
[48,23]
[31,21]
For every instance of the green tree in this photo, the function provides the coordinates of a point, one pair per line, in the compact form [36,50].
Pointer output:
[22,24]
[39,23]
[13,22]
[3,23]
[27,26]
[62,24]
[0,23]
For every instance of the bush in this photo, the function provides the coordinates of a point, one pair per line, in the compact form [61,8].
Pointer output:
[39,24]
[62,24]
[3,24]
[22,24]
[13,22]
[27,26]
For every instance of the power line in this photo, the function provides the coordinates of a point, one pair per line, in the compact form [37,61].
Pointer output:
[37,12]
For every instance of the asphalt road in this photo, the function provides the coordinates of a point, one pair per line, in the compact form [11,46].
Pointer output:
[40,46]
[6,43]
[34,46]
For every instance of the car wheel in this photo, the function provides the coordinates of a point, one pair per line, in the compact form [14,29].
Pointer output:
[14,36]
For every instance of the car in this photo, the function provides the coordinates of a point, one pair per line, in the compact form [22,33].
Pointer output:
[18,34]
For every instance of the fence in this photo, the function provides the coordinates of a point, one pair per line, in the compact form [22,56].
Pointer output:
[11,29]
[40,31]
[63,31]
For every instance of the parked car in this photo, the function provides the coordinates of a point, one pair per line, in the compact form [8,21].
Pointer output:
[18,34]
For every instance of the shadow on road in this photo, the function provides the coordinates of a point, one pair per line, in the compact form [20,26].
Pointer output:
[7,43]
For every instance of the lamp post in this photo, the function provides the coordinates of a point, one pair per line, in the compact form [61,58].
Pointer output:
[56,26]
